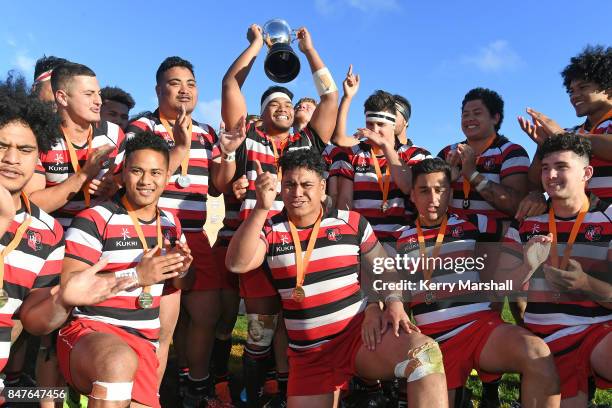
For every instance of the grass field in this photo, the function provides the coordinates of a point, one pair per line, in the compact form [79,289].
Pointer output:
[508,390]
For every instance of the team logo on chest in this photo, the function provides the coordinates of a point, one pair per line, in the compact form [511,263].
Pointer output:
[457,231]
[593,232]
[488,164]
[59,159]
[333,234]
[34,240]
[285,244]
[126,239]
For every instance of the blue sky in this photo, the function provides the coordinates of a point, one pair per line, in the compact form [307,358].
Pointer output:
[430,52]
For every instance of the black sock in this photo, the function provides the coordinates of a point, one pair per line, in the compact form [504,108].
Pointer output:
[490,390]
[282,379]
[220,356]
[199,387]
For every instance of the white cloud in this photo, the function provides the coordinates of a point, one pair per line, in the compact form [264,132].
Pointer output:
[209,112]
[328,7]
[496,56]
[24,63]
[11,42]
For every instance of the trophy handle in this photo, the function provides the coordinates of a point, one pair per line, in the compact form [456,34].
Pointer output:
[293,35]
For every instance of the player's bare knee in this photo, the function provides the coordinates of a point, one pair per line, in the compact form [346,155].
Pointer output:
[116,363]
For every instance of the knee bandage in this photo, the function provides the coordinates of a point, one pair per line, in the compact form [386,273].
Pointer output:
[422,361]
[261,329]
[118,391]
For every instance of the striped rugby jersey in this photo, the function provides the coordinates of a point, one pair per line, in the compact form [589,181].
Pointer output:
[554,318]
[356,164]
[502,159]
[189,204]
[449,314]
[333,294]
[106,231]
[55,165]
[258,146]
[601,182]
[35,263]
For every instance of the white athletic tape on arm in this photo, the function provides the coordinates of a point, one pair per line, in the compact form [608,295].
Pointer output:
[119,391]
[324,82]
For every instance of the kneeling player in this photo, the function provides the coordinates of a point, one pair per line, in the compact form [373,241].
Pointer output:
[324,306]
[107,350]
[470,334]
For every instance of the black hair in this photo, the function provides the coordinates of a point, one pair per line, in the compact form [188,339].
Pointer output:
[63,73]
[112,93]
[428,166]
[172,62]
[147,140]
[567,141]
[275,88]
[18,105]
[400,100]
[303,159]
[593,64]
[491,99]
[45,63]
[380,101]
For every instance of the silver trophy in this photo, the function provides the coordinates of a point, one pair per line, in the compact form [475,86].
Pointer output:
[281,64]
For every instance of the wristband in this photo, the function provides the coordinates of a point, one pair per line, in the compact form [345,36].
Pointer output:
[128,273]
[482,185]
[393,297]
[324,82]
[475,174]
[229,157]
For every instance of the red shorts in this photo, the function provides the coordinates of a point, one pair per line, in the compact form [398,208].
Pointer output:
[144,389]
[257,284]
[203,265]
[573,359]
[325,368]
[225,278]
[461,353]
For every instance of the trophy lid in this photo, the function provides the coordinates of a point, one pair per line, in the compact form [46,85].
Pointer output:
[278,31]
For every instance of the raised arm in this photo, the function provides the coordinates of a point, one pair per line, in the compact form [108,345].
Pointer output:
[233,104]
[323,119]
[350,86]
[246,250]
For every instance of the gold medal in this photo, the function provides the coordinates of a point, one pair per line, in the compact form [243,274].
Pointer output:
[298,294]
[3,297]
[145,300]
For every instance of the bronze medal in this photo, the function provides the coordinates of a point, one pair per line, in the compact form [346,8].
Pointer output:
[466,204]
[145,300]
[298,294]
[3,297]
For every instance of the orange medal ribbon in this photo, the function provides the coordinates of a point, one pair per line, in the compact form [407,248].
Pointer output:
[145,296]
[185,162]
[279,172]
[599,122]
[384,186]
[466,183]
[75,161]
[427,271]
[552,228]
[17,238]
[301,261]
